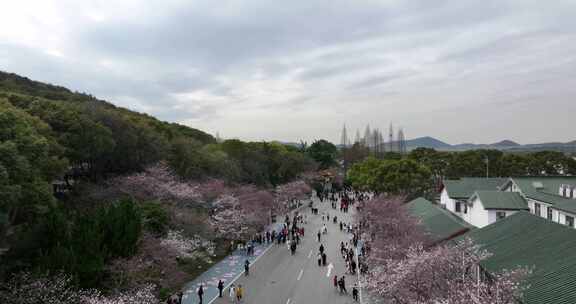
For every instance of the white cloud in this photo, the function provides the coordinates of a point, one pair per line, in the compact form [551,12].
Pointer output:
[457,69]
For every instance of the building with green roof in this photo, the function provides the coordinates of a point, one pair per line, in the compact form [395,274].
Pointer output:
[550,197]
[486,207]
[455,193]
[526,240]
[439,224]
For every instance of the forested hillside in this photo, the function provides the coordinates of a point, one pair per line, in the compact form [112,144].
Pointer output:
[74,175]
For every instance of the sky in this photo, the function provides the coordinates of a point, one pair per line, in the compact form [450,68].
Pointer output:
[459,70]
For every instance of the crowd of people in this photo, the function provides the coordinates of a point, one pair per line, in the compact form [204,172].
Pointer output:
[291,232]
[342,201]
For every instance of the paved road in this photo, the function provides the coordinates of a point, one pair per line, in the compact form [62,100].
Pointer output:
[280,278]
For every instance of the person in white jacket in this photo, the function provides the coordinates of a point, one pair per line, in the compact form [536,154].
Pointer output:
[233,293]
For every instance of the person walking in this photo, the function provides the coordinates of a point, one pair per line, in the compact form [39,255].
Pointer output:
[335,281]
[220,288]
[246,267]
[239,293]
[319,259]
[180,296]
[355,293]
[200,294]
[321,249]
[319,234]
[324,259]
[232,293]
[343,286]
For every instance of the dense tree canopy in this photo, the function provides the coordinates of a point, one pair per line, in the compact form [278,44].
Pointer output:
[323,152]
[403,177]
[29,160]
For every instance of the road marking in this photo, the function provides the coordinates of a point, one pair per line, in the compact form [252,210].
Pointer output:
[300,275]
[330,266]
[288,302]
[310,254]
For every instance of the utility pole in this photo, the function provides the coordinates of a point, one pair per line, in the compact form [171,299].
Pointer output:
[487,166]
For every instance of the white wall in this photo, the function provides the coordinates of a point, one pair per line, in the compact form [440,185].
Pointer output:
[543,208]
[555,216]
[447,201]
[477,215]
[511,188]
[480,217]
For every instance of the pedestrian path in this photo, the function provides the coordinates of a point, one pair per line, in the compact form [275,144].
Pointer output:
[227,270]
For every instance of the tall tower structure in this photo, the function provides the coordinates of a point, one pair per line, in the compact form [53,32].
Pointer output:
[367,135]
[391,138]
[374,140]
[344,141]
[382,144]
[401,141]
[357,139]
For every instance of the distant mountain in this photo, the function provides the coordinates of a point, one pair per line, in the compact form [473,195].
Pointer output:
[427,142]
[505,143]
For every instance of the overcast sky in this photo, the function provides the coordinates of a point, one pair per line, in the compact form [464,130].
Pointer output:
[459,70]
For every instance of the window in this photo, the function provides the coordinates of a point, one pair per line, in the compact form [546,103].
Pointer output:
[537,209]
[569,221]
[458,207]
[500,215]
[465,208]
[549,213]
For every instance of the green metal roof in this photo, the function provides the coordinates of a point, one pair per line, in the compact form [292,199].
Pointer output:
[439,224]
[545,189]
[501,200]
[524,239]
[466,186]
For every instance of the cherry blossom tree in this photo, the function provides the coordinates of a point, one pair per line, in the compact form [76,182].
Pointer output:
[141,295]
[388,228]
[228,218]
[158,182]
[256,205]
[445,274]
[185,246]
[156,262]
[297,190]
[405,270]
[212,189]
[25,288]
[243,213]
